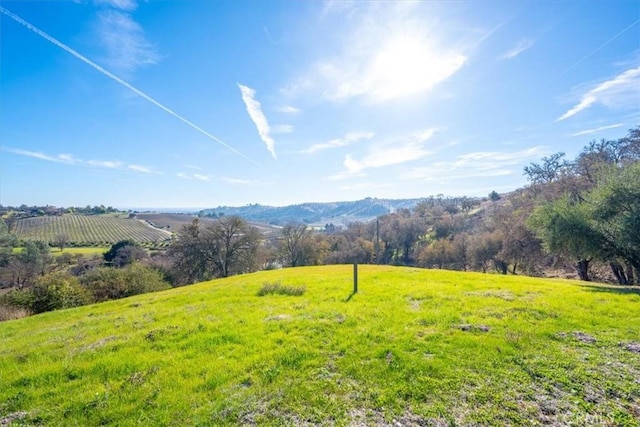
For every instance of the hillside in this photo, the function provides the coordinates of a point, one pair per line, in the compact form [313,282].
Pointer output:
[88,229]
[414,347]
[317,214]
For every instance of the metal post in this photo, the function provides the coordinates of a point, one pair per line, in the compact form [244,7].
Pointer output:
[355,277]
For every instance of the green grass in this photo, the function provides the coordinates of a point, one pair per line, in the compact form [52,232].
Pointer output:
[415,347]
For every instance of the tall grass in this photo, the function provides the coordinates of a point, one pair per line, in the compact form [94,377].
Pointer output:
[412,347]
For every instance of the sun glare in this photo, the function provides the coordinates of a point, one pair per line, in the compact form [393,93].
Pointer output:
[408,65]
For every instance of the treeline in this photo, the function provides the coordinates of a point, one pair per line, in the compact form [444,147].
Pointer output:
[574,214]
[576,217]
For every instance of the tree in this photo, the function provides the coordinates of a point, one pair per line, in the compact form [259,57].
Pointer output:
[614,210]
[189,262]
[62,240]
[232,245]
[110,255]
[295,245]
[227,246]
[549,170]
[565,228]
[494,196]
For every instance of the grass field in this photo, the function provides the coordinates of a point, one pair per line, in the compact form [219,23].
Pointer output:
[88,229]
[413,347]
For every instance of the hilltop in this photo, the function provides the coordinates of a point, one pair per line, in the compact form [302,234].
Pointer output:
[413,347]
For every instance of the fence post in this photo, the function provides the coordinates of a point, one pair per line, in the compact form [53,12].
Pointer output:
[355,277]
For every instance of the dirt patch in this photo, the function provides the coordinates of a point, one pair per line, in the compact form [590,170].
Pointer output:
[8,419]
[504,295]
[631,346]
[278,317]
[474,328]
[369,418]
[579,336]
[96,345]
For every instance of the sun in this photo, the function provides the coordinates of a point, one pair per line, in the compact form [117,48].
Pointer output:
[407,65]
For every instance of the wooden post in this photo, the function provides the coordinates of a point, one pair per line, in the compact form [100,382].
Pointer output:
[355,277]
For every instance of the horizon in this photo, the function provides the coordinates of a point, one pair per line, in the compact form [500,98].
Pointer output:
[281,103]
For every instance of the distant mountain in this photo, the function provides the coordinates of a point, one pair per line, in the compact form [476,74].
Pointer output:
[316,214]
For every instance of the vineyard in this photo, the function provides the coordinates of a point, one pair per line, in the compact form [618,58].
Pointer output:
[89,230]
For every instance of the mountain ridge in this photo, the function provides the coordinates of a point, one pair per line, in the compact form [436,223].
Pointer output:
[316,213]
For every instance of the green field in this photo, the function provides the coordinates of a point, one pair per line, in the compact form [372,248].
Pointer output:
[85,230]
[413,347]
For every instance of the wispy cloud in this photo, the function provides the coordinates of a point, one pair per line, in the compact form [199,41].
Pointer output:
[238,181]
[475,164]
[119,4]
[282,129]
[140,168]
[288,109]
[257,116]
[124,41]
[195,176]
[596,130]
[119,80]
[108,164]
[392,153]
[621,91]
[517,49]
[70,159]
[348,139]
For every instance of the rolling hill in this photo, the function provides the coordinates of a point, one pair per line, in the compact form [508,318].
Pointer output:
[413,347]
[317,214]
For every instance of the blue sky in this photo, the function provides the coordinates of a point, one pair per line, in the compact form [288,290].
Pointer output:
[208,103]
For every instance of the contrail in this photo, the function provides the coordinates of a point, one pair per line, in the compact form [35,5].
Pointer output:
[598,48]
[119,80]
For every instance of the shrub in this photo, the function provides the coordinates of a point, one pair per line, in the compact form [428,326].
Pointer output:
[109,283]
[276,288]
[58,290]
[8,312]
[18,298]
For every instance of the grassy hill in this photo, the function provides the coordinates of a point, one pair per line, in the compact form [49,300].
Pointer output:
[88,229]
[413,347]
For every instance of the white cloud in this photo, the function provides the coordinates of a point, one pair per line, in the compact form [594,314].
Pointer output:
[621,91]
[257,116]
[195,176]
[238,181]
[128,5]
[348,139]
[109,164]
[288,109]
[517,49]
[596,130]
[140,168]
[124,41]
[60,158]
[394,153]
[70,159]
[475,164]
[282,129]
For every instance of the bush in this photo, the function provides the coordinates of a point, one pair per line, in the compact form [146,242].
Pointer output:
[277,288]
[11,313]
[109,283]
[18,298]
[58,290]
